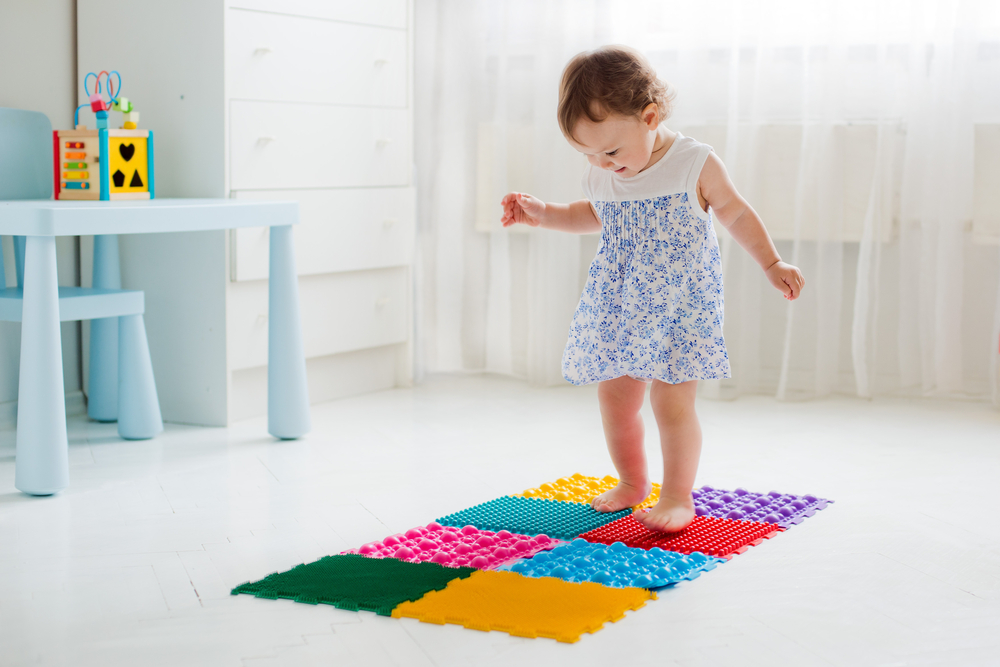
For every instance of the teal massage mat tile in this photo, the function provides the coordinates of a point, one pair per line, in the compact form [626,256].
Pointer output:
[534,516]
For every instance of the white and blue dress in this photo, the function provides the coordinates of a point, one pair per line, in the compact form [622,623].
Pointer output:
[652,307]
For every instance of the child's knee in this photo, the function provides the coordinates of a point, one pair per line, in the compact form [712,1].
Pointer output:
[621,397]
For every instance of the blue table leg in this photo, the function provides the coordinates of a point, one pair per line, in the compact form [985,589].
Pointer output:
[102,385]
[287,389]
[42,463]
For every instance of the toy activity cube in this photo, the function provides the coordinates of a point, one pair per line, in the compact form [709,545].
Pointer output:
[104,163]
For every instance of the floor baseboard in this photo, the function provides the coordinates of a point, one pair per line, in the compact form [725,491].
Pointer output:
[76,404]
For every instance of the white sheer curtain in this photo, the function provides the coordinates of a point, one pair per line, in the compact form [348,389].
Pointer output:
[851,126]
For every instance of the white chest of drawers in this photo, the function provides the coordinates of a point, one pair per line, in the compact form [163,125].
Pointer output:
[308,100]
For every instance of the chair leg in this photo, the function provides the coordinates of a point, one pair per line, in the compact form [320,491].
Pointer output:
[20,243]
[102,389]
[102,386]
[138,406]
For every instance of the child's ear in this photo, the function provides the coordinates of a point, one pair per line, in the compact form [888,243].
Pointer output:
[651,116]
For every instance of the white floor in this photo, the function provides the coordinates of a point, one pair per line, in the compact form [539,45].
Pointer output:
[133,564]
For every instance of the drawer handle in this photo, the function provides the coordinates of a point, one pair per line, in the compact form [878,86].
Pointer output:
[265,140]
[381,302]
[380,62]
[383,142]
[388,223]
[262,50]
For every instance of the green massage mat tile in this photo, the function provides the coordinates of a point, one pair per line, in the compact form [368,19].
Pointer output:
[534,516]
[355,582]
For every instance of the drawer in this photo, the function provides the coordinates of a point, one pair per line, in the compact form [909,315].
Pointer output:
[279,145]
[390,13]
[289,58]
[340,312]
[339,230]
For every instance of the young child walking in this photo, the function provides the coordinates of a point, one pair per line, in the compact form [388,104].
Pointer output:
[652,308]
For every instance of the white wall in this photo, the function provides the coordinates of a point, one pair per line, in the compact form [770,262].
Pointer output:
[38,72]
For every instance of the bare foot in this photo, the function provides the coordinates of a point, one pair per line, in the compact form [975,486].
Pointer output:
[668,516]
[622,496]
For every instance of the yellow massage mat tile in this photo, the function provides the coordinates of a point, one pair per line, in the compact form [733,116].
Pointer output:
[582,489]
[524,606]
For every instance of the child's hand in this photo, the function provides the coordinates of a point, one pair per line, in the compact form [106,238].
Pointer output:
[520,208]
[786,278]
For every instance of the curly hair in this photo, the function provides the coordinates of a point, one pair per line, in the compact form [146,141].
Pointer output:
[610,80]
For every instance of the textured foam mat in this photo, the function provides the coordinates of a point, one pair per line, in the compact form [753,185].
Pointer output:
[783,509]
[709,535]
[579,488]
[533,516]
[457,547]
[525,606]
[355,582]
[617,565]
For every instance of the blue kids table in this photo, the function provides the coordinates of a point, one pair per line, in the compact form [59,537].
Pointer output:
[42,464]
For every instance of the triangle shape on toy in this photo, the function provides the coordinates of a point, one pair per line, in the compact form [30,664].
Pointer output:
[136,181]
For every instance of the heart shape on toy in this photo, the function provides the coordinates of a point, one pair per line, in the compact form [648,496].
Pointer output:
[127,151]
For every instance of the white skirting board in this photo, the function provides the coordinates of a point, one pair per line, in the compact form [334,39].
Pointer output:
[75,405]
[330,377]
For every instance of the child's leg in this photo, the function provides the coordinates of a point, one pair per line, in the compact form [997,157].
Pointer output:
[680,440]
[621,400]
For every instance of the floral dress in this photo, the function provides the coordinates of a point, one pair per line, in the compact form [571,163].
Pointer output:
[652,307]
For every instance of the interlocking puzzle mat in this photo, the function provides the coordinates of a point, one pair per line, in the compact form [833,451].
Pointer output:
[582,489]
[783,509]
[617,565]
[722,538]
[533,516]
[355,582]
[525,606]
[501,565]
[457,547]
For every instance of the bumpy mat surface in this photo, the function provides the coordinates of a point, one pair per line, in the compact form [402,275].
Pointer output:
[722,538]
[457,547]
[582,489]
[502,565]
[524,606]
[533,516]
[355,582]
[783,509]
[617,565]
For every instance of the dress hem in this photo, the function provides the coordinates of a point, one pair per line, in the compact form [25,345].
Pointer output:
[721,376]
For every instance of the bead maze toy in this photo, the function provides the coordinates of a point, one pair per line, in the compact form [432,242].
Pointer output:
[496,566]
[104,163]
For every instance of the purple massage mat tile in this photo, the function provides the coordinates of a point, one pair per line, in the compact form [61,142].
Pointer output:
[783,509]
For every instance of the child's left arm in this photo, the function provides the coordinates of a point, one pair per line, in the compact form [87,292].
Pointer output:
[746,227]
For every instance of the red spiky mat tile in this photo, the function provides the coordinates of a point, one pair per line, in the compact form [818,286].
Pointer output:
[712,536]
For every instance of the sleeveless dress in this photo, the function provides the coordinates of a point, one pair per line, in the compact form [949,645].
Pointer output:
[652,307]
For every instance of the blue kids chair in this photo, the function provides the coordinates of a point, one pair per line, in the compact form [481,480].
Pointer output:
[121,385]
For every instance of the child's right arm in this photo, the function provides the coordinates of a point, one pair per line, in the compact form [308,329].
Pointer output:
[578,217]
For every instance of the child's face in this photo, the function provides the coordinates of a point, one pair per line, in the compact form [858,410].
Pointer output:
[618,143]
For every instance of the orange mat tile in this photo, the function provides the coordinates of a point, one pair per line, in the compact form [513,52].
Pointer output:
[525,607]
[582,489]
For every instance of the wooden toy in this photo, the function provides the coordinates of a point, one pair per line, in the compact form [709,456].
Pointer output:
[104,163]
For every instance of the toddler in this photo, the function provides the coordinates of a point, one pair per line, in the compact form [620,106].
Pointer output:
[652,308]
